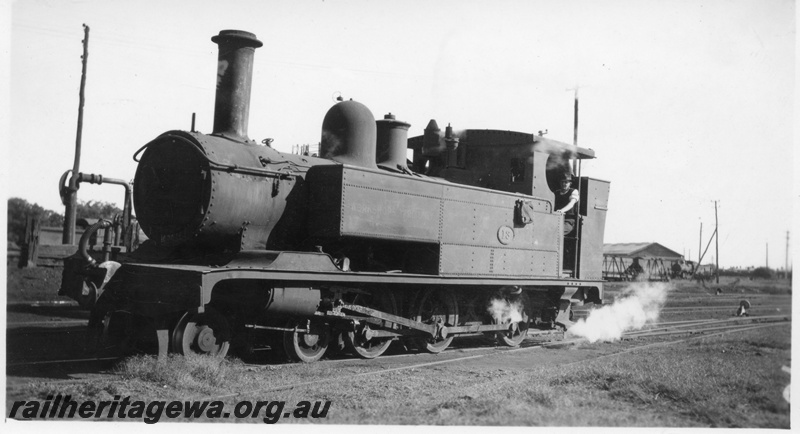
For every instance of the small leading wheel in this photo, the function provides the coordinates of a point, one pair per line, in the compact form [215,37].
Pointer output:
[305,346]
[202,333]
[361,342]
[435,306]
[514,311]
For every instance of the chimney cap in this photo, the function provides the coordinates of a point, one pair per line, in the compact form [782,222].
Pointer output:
[237,34]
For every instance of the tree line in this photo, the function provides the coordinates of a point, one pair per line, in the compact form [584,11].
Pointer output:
[20,209]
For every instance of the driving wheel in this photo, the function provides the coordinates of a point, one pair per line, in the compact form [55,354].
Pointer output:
[435,306]
[303,345]
[205,333]
[362,341]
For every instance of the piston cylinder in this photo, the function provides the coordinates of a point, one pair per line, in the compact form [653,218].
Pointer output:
[293,302]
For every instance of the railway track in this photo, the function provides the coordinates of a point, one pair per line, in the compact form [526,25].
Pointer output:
[55,324]
[701,329]
[680,330]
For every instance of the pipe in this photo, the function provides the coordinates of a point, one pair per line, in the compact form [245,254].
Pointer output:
[83,243]
[451,144]
[107,244]
[99,179]
[119,228]
[234,78]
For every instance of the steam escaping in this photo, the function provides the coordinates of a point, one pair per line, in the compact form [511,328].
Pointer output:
[639,305]
[504,311]
[558,156]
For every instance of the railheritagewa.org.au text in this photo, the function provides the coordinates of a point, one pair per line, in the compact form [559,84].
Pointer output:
[64,407]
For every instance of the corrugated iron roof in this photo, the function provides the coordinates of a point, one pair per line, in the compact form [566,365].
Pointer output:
[644,250]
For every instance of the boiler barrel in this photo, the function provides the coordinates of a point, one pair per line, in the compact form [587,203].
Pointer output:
[234,202]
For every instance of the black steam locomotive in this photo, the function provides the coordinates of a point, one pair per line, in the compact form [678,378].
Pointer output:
[353,249]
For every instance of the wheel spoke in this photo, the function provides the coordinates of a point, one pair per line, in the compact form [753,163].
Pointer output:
[435,306]
[513,311]
[360,341]
[305,347]
[202,333]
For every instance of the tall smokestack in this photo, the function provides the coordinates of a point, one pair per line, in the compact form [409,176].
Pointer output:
[234,81]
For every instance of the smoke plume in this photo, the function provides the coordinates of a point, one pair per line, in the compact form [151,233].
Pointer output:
[503,311]
[639,304]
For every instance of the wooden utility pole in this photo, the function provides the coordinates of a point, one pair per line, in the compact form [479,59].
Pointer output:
[31,246]
[767,256]
[575,131]
[71,199]
[575,123]
[786,267]
[700,245]
[716,239]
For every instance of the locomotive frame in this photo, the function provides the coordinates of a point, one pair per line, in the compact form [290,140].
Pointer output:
[354,249]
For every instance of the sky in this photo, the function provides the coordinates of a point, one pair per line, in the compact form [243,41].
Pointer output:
[684,102]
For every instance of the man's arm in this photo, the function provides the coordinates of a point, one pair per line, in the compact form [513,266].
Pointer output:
[573,199]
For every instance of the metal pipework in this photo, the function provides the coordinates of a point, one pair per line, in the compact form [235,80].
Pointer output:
[99,179]
[234,82]
[83,244]
[431,146]
[451,144]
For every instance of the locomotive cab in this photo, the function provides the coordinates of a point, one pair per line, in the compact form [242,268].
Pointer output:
[524,163]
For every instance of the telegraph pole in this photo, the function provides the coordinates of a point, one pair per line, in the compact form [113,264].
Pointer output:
[700,244]
[716,239]
[786,269]
[71,199]
[575,123]
[575,130]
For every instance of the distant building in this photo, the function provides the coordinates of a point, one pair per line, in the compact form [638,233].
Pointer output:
[654,259]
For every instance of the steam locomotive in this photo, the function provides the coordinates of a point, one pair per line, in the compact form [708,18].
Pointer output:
[353,249]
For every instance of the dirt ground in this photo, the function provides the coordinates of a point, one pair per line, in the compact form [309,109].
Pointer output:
[33,284]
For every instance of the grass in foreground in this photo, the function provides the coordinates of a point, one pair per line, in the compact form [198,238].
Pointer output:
[734,381]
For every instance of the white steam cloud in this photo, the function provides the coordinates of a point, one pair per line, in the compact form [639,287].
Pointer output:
[640,304]
[502,311]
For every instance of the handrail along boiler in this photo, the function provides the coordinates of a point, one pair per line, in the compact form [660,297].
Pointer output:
[353,249]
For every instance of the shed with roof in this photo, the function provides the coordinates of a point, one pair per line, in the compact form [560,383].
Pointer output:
[654,260]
